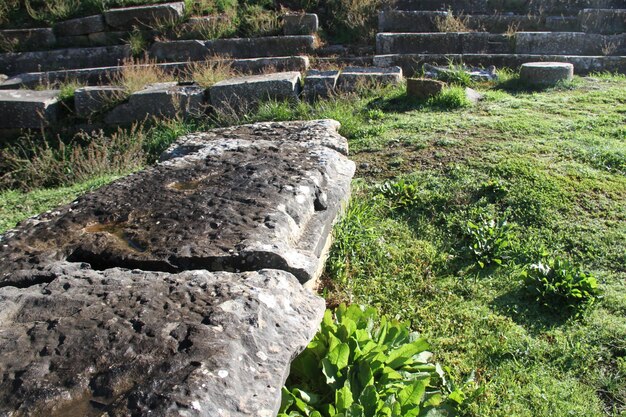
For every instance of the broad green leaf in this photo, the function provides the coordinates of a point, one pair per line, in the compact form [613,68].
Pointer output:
[343,398]
[403,354]
[369,400]
[330,371]
[411,396]
[340,355]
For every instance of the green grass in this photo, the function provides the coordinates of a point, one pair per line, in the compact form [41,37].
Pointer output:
[549,163]
[17,205]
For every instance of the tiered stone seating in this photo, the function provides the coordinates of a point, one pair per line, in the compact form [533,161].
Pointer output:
[591,34]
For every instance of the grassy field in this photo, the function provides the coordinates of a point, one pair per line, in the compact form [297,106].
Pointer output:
[451,204]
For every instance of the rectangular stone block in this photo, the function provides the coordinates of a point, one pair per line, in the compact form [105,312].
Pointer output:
[28,109]
[144,17]
[26,39]
[300,24]
[320,84]
[184,50]
[353,78]
[569,43]
[605,21]
[80,26]
[59,59]
[79,41]
[409,20]
[270,46]
[418,43]
[241,93]
[90,100]
[161,100]
[485,43]
[278,64]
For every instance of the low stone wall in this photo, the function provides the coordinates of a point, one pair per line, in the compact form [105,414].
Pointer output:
[544,43]
[583,65]
[116,26]
[175,291]
[110,105]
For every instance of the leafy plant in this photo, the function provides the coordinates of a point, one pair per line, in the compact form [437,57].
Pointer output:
[488,239]
[558,284]
[399,194]
[354,367]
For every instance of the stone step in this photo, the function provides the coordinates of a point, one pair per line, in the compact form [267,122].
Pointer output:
[546,7]
[434,21]
[104,75]
[606,21]
[583,65]
[193,265]
[269,46]
[13,63]
[533,43]
[176,51]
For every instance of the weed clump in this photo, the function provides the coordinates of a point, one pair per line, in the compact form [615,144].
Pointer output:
[558,284]
[450,98]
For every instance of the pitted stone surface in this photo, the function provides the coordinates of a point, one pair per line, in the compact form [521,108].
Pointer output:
[121,342]
[243,198]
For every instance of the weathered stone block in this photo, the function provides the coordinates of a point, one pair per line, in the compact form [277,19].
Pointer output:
[569,43]
[409,20]
[80,41]
[80,26]
[423,88]
[59,59]
[353,78]
[485,43]
[320,84]
[270,46]
[239,94]
[185,50]
[418,43]
[546,73]
[261,65]
[25,39]
[195,343]
[300,24]
[90,100]
[144,17]
[159,100]
[242,198]
[605,21]
[28,109]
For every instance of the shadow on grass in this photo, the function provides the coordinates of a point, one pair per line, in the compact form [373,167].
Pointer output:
[517,86]
[526,311]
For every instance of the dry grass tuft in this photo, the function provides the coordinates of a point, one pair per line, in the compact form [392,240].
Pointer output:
[452,23]
[207,73]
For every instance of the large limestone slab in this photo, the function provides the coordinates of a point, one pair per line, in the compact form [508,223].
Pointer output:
[418,43]
[28,109]
[159,100]
[143,17]
[60,59]
[242,198]
[120,342]
[241,93]
[300,24]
